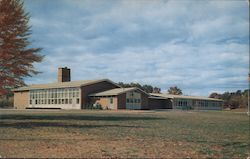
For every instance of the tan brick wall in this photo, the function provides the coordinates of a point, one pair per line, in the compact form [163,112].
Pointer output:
[115,100]
[21,99]
[104,101]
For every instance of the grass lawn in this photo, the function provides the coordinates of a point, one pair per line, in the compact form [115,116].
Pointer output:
[89,133]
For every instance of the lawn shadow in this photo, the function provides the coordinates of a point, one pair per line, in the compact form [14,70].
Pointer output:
[222,143]
[31,125]
[24,121]
[75,117]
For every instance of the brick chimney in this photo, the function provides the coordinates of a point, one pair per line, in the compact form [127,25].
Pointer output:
[63,74]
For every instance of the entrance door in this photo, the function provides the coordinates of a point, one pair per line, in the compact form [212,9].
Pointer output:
[73,102]
[111,103]
[32,102]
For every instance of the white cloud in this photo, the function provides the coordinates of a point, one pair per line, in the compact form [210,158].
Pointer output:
[199,46]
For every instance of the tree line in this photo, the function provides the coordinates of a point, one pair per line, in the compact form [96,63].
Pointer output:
[147,88]
[151,89]
[233,100]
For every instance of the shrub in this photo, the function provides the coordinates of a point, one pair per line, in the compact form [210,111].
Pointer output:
[89,106]
[97,106]
[6,102]
[94,106]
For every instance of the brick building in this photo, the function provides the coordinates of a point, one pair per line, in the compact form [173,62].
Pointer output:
[66,94]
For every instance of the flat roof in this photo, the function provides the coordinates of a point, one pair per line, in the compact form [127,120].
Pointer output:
[165,95]
[154,97]
[62,85]
[116,91]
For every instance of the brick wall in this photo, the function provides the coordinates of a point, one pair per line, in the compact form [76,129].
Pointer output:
[94,88]
[21,99]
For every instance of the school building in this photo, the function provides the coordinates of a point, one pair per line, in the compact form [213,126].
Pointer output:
[67,94]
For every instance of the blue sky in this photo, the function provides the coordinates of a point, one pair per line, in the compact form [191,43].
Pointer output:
[200,46]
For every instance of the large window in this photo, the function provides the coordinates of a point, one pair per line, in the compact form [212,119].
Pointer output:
[54,96]
[133,100]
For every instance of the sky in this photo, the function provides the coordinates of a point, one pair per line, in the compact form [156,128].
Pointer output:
[199,46]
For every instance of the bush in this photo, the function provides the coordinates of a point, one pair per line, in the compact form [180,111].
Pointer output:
[97,106]
[94,106]
[4,103]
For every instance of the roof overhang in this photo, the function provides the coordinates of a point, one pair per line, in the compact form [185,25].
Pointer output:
[110,93]
[72,84]
[170,96]
[153,97]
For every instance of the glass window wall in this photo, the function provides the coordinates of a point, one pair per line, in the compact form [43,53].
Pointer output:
[55,96]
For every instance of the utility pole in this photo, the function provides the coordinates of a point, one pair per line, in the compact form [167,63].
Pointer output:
[248,98]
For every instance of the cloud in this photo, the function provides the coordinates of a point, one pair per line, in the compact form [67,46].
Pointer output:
[199,46]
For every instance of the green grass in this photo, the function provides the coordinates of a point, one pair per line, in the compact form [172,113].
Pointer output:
[85,133]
